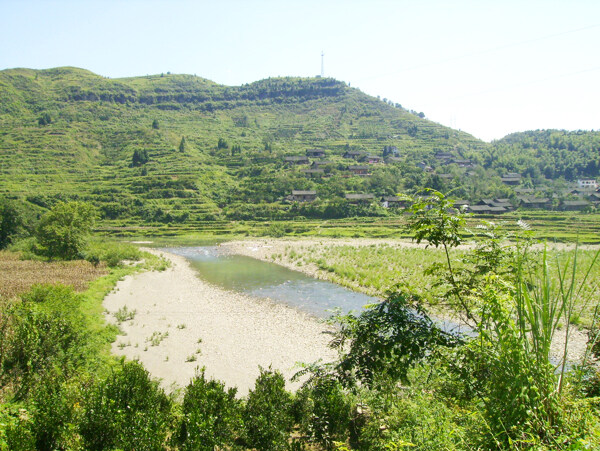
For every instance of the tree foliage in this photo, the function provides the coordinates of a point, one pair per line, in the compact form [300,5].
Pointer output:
[126,410]
[62,232]
[211,415]
[11,222]
[140,157]
[386,341]
[267,415]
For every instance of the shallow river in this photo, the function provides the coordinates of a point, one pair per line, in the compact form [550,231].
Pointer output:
[268,280]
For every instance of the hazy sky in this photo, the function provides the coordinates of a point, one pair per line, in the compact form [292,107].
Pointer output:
[487,67]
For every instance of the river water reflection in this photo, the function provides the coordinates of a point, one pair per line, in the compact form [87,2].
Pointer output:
[269,280]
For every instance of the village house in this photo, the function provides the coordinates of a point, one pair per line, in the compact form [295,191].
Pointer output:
[394,202]
[486,209]
[359,170]
[512,178]
[295,160]
[497,203]
[424,166]
[359,199]
[574,205]
[461,163]
[587,184]
[534,202]
[373,159]
[443,156]
[303,196]
[461,203]
[594,197]
[315,153]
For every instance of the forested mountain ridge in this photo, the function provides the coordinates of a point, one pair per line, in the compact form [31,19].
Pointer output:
[550,154]
[183,149]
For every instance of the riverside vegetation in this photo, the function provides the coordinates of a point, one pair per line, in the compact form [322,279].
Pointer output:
[399,381]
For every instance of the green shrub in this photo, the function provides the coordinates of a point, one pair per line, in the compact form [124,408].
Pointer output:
[328,411]
[414,420]
[48,332]
[211,415]
[15,429]
[53,414]
[386,341]
[268,415]
[275,230]
[111,252]
[126,410]
[11,222]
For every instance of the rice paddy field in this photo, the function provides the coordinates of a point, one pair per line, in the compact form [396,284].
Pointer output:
[553,226]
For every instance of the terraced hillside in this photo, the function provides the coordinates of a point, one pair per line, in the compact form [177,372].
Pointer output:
[68,133]
[183,151]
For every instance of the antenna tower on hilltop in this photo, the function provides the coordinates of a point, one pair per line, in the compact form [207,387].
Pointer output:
[322,64]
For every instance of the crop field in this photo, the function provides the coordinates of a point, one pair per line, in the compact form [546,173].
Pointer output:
[561,227]
[17,276]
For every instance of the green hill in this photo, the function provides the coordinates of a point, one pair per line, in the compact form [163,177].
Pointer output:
[205,151]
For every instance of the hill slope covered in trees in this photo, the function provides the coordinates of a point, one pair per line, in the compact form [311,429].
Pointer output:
[182,149]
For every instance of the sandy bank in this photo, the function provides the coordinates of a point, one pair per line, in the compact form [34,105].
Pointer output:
[182,323]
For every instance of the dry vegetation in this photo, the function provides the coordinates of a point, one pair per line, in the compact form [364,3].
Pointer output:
[17,276]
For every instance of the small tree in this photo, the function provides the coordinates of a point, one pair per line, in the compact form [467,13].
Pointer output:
[10,222]
[211,415]
[267,416]
[182,144]
[155,124]
[126,410]
[44,119]
[62,232]
[222,144]
[140,157]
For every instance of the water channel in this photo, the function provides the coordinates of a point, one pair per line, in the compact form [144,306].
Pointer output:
[269,280]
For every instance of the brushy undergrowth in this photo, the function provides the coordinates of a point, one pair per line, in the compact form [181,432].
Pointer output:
[399,380]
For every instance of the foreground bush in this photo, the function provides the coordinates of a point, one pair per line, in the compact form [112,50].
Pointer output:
[326,411]
[45,332]
[126,410]
[211,415]
[268,413]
